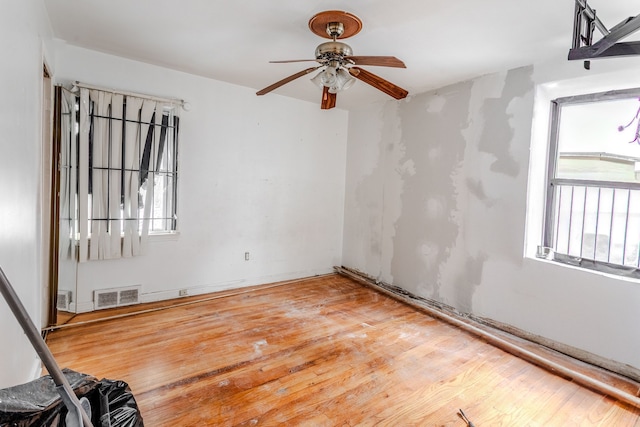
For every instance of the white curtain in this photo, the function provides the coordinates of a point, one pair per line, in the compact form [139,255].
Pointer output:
[100,240]
[67,179]
[139,113]
[115,189]
[83,177]
[114,139]
[153,157]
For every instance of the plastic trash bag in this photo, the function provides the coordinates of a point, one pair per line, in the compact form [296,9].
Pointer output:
[38,403]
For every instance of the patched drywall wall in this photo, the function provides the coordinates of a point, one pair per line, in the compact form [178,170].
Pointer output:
[434,154]
[460,140]
[445,189]
[428,227]
[364,186]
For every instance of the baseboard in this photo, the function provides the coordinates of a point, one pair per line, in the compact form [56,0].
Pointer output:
[86,307]
[36,369]
[418,301]
[83,307]
[190,291]
[574,352]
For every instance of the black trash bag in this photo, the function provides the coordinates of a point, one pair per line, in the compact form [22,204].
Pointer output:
[38,403]
[118,407]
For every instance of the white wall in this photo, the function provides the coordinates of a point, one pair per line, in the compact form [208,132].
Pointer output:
[24,29]
[436,195]
[263,175]
[436,202]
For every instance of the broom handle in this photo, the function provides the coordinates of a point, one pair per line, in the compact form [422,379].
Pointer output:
[62,385]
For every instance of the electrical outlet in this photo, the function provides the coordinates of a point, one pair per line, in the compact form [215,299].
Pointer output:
[183,292]
[246,256]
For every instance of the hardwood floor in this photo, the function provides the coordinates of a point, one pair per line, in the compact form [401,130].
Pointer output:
[322,352]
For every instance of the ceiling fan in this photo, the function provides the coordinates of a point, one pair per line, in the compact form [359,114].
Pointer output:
[339,66]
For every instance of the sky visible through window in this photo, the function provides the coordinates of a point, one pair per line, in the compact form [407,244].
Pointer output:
[593,127]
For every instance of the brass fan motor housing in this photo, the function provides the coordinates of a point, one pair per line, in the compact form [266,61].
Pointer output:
[333,51]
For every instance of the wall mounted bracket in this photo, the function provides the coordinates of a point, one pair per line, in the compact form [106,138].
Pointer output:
[584,24]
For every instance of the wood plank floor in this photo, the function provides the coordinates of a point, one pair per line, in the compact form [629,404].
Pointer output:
[322,352]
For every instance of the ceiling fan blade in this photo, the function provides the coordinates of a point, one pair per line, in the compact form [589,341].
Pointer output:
[328,99]
[380,61]
[378,82]
[286,80]
[292,60]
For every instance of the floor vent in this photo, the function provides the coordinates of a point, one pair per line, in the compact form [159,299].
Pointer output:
[109,298]
[63,301]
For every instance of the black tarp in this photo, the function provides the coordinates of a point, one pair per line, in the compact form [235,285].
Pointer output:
[38,403]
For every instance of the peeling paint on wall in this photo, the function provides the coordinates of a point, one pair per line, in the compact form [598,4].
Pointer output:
[365,182]
[476,188]
[488,183]
[428,226]
[466,280]
[501,112]
[450,191]
[396,168]
[497,135]
[444,156]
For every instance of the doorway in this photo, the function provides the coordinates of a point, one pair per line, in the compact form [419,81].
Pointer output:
[47,200]
[62,249]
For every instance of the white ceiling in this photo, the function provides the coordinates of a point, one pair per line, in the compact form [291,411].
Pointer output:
[440,41]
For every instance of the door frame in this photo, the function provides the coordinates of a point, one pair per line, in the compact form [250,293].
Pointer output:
[52,177]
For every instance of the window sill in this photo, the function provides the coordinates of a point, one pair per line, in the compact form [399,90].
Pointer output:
[153,237]
[613,271]
[164,236]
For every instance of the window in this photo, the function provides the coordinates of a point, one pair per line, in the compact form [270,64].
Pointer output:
[124,155]
[592,213]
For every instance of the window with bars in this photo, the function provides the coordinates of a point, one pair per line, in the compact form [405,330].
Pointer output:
[592,212]
[122,158]
[163,173]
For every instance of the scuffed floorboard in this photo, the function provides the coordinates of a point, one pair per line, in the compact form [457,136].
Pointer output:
[322,352]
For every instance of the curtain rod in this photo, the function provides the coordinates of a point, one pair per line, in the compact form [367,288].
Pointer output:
[180,102]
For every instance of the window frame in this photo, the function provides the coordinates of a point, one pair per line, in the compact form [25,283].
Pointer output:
[547,248]
[156,162]
[171,140]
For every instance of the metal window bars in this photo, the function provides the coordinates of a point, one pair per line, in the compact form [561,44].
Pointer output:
[599,222]
[163,177]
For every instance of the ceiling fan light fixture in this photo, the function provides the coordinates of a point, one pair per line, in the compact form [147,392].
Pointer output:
[329,77]
[344,79]
[326,78]
[336,79]
[317,80]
